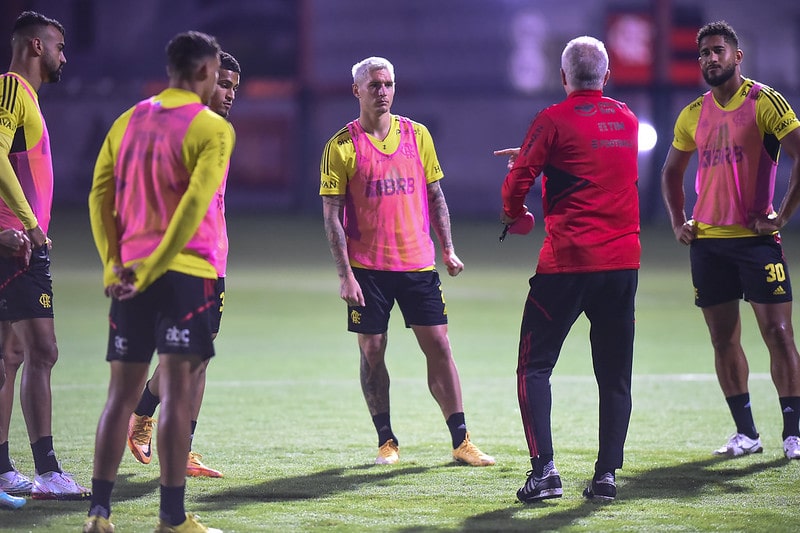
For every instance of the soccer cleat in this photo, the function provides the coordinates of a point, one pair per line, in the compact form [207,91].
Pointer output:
[15,484]
[541,488]
[140,437]
[98,524]
[58,486]
[190,525]
[10,502]
[791,447]
[602,487]
[740,444]
[388,453]
[470,454]
[196,468]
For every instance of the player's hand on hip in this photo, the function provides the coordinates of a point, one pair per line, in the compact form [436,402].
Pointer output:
[38,237]
[15,242]
[686,233]
[766,225]
[512,154]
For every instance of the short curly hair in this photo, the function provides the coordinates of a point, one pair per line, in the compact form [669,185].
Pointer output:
[719,27]
[228,62]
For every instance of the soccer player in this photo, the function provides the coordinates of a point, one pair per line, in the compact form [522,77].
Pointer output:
[27,331]
[14,243]
[586,146]
[159,169]
[738,128]
[380,194]
[140,426]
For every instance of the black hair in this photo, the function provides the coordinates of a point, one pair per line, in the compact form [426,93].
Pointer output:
[719,27]
[27,20]
[228,62]
[188,49]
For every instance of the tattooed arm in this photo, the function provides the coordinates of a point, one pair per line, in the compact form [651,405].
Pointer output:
[440,219]
[332,209]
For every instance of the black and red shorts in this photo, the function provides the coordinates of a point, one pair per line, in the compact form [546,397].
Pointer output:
[172,316]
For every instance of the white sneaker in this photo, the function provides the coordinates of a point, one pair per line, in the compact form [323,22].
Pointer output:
[791,447]
[15,484]
[10,502]
[58,486]
[740,444]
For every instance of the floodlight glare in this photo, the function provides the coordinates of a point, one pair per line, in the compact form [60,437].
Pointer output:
[647,137]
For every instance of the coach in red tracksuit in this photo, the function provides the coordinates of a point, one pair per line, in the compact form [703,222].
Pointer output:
[586,148]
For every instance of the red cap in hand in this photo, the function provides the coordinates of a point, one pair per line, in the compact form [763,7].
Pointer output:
[523,225]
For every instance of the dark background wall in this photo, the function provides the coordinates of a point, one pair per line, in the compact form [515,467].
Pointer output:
[474,71]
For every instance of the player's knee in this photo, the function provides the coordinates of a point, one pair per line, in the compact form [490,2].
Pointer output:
[43,354]
[373,347]
[13,355]
[13,360]
[438,350]
[779,337]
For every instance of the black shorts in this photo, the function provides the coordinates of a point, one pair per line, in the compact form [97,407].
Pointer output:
[419,295]
[219,305]
[749,267]
[172,316]
[26,292]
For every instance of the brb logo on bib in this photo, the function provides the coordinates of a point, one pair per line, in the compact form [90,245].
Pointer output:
[389,187]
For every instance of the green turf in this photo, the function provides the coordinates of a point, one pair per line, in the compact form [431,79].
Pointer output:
[285,421]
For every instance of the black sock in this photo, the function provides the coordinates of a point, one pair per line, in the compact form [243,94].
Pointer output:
[538,463]
[101,498]
[172,510]
[383,426]
[5,459]
[742,414]
[147,402]
[790,406]
[599,470]
[44,457]
[458,428]
[191,435]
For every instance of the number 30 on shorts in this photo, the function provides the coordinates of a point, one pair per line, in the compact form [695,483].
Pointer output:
[775,272]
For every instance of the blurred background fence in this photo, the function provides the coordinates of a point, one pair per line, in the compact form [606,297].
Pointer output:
[474,71]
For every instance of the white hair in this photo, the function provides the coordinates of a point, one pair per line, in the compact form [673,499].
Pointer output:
[585,62]
[362,69]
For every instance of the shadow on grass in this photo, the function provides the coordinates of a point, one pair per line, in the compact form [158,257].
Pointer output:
[671,482]
[41,514]
[306,487]
[677,481]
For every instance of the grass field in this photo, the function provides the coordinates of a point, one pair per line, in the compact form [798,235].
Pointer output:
[284,419]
